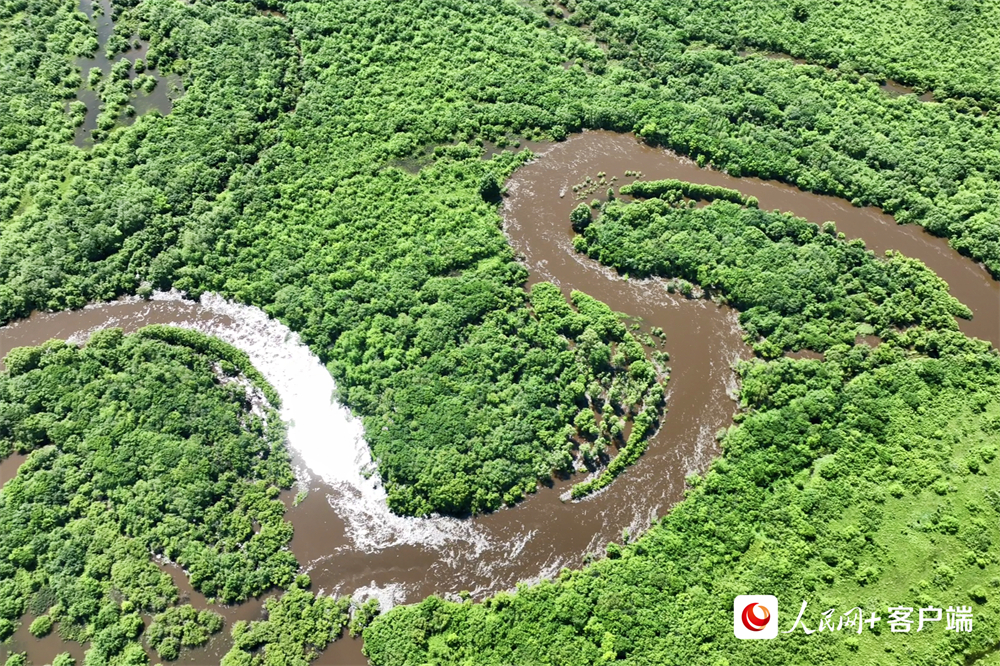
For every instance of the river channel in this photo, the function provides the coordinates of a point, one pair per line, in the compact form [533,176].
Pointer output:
[345,537]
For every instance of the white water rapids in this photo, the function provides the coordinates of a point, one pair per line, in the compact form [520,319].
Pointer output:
[325,439]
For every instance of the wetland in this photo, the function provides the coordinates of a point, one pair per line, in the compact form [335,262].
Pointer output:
[345,537]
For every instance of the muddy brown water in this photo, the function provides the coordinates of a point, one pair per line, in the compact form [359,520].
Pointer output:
[615,153]
[544,533]
[161,98]
[895,89]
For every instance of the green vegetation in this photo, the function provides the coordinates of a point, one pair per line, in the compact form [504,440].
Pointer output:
[363,616]
[181,626]
[944,46]
[41,626]
[299,625]
[114,93]
[270,183]
[860,480]
[827,131]
[138,444]
[605,374]
[672,190]
[796,285]
[863,479]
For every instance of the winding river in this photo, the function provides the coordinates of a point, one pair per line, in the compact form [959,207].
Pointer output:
[345,537]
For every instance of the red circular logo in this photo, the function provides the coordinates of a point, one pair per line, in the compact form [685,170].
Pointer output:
[755,620]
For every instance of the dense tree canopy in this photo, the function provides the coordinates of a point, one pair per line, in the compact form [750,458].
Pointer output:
[949,47]
[276,181]
[299,625]
[796,285]
[271,182]
[139,444]
[866,479]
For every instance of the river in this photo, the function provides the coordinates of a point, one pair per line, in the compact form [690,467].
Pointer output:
[345,537]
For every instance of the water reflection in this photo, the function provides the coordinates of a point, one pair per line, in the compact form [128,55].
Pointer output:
[161,97]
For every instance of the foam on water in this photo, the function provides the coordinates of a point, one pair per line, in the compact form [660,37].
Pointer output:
[388,595]
[325,438]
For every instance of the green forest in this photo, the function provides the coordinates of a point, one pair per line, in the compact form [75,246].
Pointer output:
[137,445]
[299,625]
[283,178]
[858,480]
[797,286]
[271,182]
[945,47]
